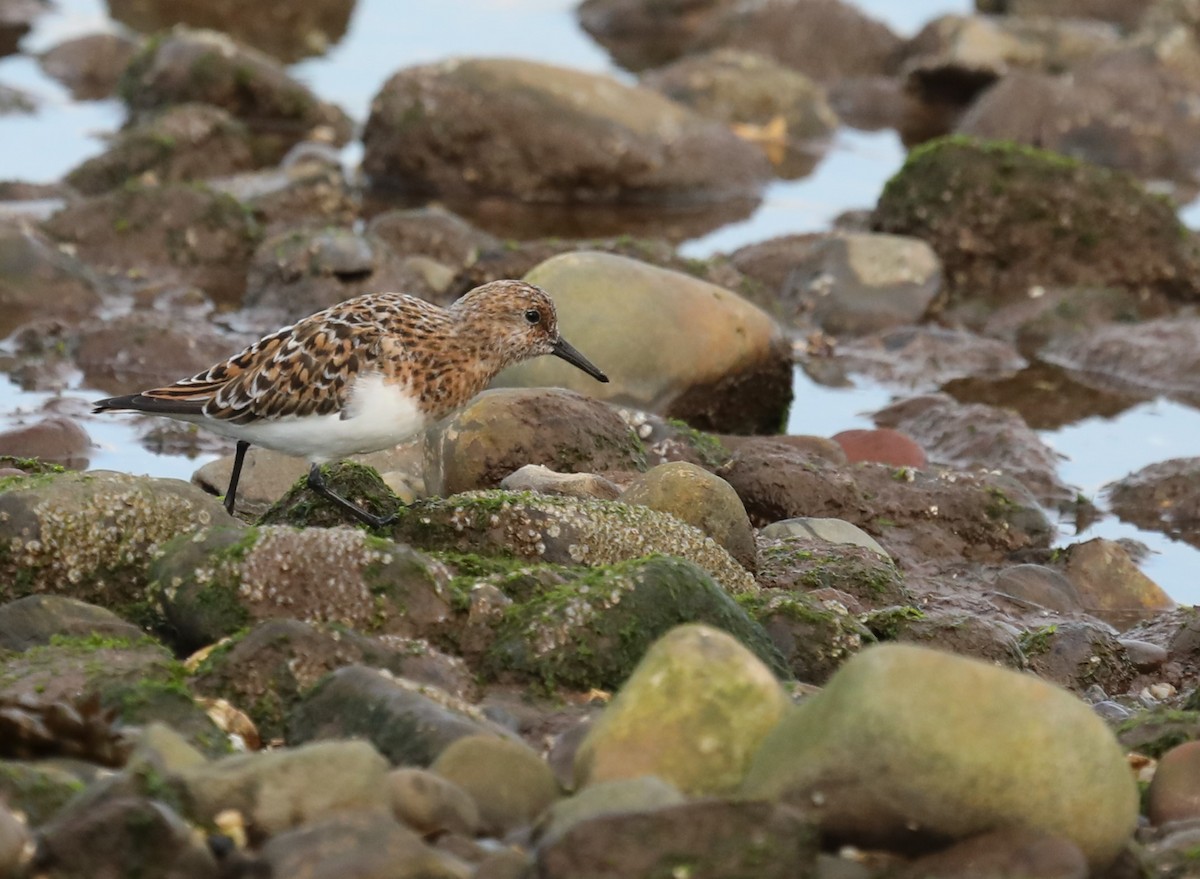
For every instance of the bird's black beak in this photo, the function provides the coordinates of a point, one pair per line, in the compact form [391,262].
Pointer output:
[564,349]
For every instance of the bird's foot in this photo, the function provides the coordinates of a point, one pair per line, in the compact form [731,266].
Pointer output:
[316,481]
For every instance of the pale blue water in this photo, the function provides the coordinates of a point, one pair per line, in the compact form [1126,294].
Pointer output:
[385,35]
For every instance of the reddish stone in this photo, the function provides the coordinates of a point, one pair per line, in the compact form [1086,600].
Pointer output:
[882,445]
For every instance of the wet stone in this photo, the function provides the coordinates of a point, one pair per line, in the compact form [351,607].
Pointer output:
[432,804]
[1078,655]
[91,65]
[508,781]
[35,620]
[409,723]
[270,668]
[56,440]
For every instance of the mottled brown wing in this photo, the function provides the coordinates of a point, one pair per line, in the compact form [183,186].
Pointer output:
[300,370]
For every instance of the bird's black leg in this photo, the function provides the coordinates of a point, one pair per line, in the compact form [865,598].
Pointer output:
[316,481]
[231,493]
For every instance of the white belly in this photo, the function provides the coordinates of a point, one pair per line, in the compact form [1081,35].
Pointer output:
[379,416]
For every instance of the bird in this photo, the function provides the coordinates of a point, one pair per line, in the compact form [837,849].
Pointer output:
[361,376]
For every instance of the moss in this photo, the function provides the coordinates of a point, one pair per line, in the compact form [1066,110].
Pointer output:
[1037,641]
[357,483]
[1153,733]
[39,791]
[592,630]
[711,450]
[886,624]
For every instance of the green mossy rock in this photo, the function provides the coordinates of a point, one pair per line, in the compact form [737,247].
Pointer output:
[1006,218]
[593,630]
[693,713]
[905,737]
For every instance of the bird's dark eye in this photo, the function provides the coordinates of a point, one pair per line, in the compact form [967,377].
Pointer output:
[533,315]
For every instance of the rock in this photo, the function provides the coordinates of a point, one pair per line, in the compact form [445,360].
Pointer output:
[16,19]
[973,436]
[181,233]
[267,475]
[433,232]
[781,110]
[38,790]
[1173,791]
[181,143]
[1092,227]
[548,144]
[640,34]
[698,497]
[801,562]
[124,836]
[410,724]
[502,430]
[1120,12]
[1161,497]
[825,39]
[835,531]
[959,632]
[92,535]
[145,349]
[1014,851]
[815,632]
[298,272]
[734,375]
[289,32]
[1148,358]
[56,440]
[38,279]
[886,746]
[592,631]
[927,357]
[431,804]
[278,790]
[366,844]
[35,620]
[14,837]
[207,67]
[136,679]
[212,584]
[1040,585]
[511,784]
[1110,585]
[849,283]
[564,531]
[307,189]
[693,713]
[89,66]
[1153,733]
[977,515]
[883,445]
[714,837]
[535,477]
[643,793]
[1119,110]
[1084,655]
[270,668]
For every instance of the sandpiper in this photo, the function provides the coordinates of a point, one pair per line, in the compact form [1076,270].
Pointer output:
[361,376]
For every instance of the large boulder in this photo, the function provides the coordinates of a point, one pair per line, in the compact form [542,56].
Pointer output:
[908,747]
[543,133]
[184,65]
[1006,219]
[671,344]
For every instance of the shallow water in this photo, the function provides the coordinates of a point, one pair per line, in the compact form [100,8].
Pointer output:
[384,36]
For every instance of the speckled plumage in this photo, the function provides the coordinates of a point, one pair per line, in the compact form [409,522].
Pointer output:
[364,374]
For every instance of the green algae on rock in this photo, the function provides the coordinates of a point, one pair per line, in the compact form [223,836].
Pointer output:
[594,630]
[214,582]
[693,713]
[1007,218]
[911,747]
[92,535]
[561,530]
[815,635]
